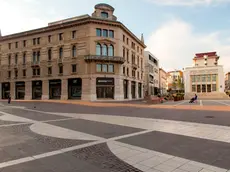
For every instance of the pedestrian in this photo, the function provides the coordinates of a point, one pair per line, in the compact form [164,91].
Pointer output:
[9,99]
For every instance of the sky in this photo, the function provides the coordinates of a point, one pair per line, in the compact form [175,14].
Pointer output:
[174,30]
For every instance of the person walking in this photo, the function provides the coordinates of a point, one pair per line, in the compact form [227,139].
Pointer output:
[9,99]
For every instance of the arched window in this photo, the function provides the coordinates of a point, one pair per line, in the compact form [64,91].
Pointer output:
[74,51]
[60,52]
[111,50]
[104,15]
[98,49]
[104,50]
[49,54]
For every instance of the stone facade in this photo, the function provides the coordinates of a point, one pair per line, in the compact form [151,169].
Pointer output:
[151,74]
[67,57]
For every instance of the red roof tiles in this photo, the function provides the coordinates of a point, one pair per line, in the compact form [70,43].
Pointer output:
[209,54]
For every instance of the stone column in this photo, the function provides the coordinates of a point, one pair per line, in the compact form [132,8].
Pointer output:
[129,90]
[89,89]
[12,90]
[118,88]
[64,89]
[28,90]
[45,90]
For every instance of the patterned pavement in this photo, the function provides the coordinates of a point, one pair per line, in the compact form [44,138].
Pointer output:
[51,137]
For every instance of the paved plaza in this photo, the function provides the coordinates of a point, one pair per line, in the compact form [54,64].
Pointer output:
[114,137]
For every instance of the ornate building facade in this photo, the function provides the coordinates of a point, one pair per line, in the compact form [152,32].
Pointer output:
[205,78]
[86,57]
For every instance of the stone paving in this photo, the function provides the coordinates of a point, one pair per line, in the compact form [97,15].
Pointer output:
[51,137]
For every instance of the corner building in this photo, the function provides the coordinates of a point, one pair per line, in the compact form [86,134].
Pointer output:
[86,57]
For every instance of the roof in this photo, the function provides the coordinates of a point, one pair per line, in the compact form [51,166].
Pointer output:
[209,54]
[103,4]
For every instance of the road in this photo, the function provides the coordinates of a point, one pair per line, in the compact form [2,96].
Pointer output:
[55,137]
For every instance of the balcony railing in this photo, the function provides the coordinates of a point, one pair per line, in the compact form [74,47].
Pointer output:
[35,63]
[113,59]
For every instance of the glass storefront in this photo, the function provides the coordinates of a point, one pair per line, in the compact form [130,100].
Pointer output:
[5,90]
[55,89]
[20,90]
[105,88]
[140,90]
[36,89]
[126,83]
[74,88]
[133,89]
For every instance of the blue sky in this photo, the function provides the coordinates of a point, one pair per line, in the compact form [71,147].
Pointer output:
[174,30]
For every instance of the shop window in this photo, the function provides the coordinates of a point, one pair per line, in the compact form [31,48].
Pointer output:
[213,87]
[198,89]
[193,88]
[209,88]
[203,88]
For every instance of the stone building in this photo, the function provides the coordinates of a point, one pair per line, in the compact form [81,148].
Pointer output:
[86,57]
[205,78]
[227,81]
[151,74]
[175,81]
[162,81]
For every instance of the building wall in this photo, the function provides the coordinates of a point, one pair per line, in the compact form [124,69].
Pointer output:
[85,42]
[163,81]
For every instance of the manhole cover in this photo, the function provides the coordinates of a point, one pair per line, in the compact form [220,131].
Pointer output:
[209,116]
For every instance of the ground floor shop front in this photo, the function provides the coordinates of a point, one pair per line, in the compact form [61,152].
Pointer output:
[90,89]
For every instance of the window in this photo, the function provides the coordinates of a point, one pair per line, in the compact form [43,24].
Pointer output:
[74,68]
[38,40]
[209,90]
[49,54]
[16,73]
[49,38]
[60,69]
[138,49]
[98,32]
[111,68]
[49,70]
[24,72]
[127,54]
[60,52]
[98,49]
[9,59]
[203,88]
[9,46]
[38,56]
[213,87]
[208,78]
[36,72]
[214,78]
[141,63]
[141,51]
[133,73]
[105,32]
[74,34]
[111,50]
[16,59]
[127,41]
[133,59]
[24,43]
[198,78]
[193,78]
[193,88]
[60,36]
[9,74]
[123,70]
[104,15]
[34,41]
[111,34]
[104,50]
[24,58]
[123,52]
[74,51]
[34,57]
[203,78]
[99,68]
[198,89]
[138,61]
[138,75]
[127,71]
[16,44]
[104,68]
[123,38]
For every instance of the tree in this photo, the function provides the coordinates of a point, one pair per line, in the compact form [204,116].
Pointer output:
[180,84]
[174,85]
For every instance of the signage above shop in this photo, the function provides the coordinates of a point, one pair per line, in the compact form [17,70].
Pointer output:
[105,81]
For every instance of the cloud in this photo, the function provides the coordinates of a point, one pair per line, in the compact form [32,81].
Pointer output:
[174,43]
[188,2]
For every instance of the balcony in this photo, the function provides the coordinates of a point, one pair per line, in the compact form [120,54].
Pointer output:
[35,63]
[113,59]
[135,66]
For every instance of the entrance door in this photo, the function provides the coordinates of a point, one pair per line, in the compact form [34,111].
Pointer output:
[74,88]
[55,89]
[125,89]
[20,90]
[105,92]
[36,89]
[5,90]
[133,89]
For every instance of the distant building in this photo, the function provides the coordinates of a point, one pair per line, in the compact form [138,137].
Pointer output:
[205,77]
[162,81]
[151,74]
[227,81]
[175,81]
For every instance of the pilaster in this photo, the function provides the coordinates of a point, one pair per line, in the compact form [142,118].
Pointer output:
[64,89]
[45,90]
